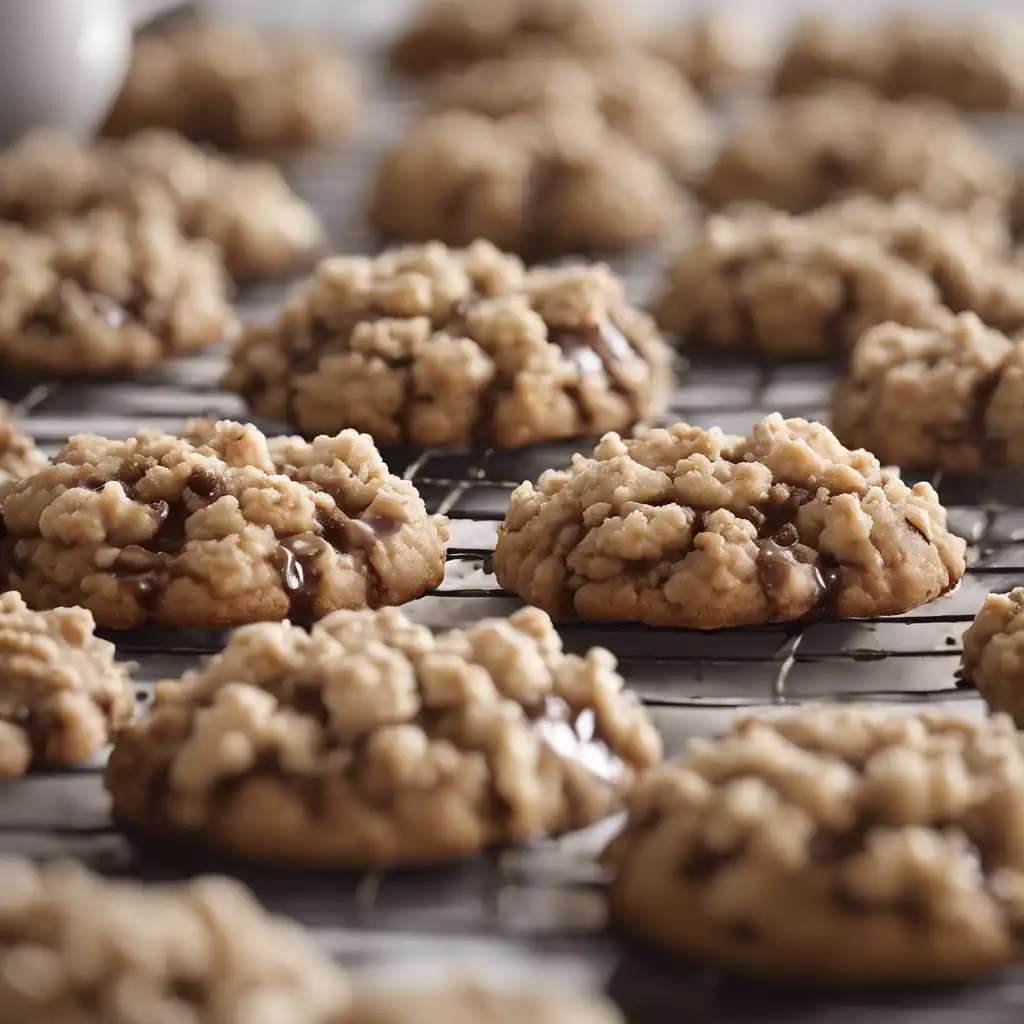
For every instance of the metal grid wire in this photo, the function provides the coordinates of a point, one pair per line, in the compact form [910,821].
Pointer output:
[544,899]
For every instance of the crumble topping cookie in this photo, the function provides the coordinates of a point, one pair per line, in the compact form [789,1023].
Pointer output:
[62,694]
[368,741]
[842,845]
[230,86]
[950,397]
[446,34]
[697,528]
[77,947]
[993,658]
[430,345]
[716,52]
[644,99]
[973,66]
[788,288]
[540,184]
[801,152]
[19,456]
[118,292]
[219,526]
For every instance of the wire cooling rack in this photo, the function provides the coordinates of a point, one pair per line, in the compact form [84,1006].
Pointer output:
[546,899]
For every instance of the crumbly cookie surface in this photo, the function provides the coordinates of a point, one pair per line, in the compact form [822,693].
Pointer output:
[845,845]
[369,741]
[787,288]
[76,947]
[431,345]
[230,86]
[640,97]
[970,66]
[62,694]
[541,183]
[19,456]
[261,227]
[116,292]
[716,51]
[803,151]
[219,526]
[993,657]
[446,34]
[949,397]
[696,528]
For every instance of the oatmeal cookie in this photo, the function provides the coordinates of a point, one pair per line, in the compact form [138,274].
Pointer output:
[973,66]
[787,288]
[435,346]
[949,397]
[801,152]
[62,694]
[845,845]
[446,34]
[369,741]
[640,97]
[75,947]
[697,528]
[228,85]
[993,658]
[19,456]
[118,292]
[217,527]
[717,52]
[540,183]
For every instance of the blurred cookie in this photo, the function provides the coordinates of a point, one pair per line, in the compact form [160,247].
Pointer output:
[237,89]
[370,742]
[433,346]
[697,528]
[643,99]
[949,397]
[993,658]
[62,694]
[540,184]
[970,65]
[855,846]
[456,33]
[19,456]
[219,526]
[801,152]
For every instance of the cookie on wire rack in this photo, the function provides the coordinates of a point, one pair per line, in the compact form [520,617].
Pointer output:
[993,658]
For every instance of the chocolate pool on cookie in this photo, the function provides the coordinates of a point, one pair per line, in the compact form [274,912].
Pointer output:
[217,527]
[436,346]
[860,846]
[369,741]
[697,528]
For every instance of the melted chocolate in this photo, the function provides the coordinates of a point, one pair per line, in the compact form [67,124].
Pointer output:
[296,562]
[204,484]
[601,351]
[576,738]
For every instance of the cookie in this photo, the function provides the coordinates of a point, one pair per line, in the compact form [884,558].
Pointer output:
[118,293]
[949,397]
[972,66]
[993,658]
[437,346]
[803,151]
[697,528]
[716,51]
[787,288]
[808,286]
[234,88]
[540,184]
[368,741]
[644,99]
[19,456]
[77,947]
[832,845]
[261,226]
[446,34]
[217,527]
[62,694]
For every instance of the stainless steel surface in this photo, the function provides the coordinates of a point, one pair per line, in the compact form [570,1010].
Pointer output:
[546,899]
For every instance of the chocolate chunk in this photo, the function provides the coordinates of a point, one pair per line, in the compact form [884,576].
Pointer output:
[703,863]
[300,578]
